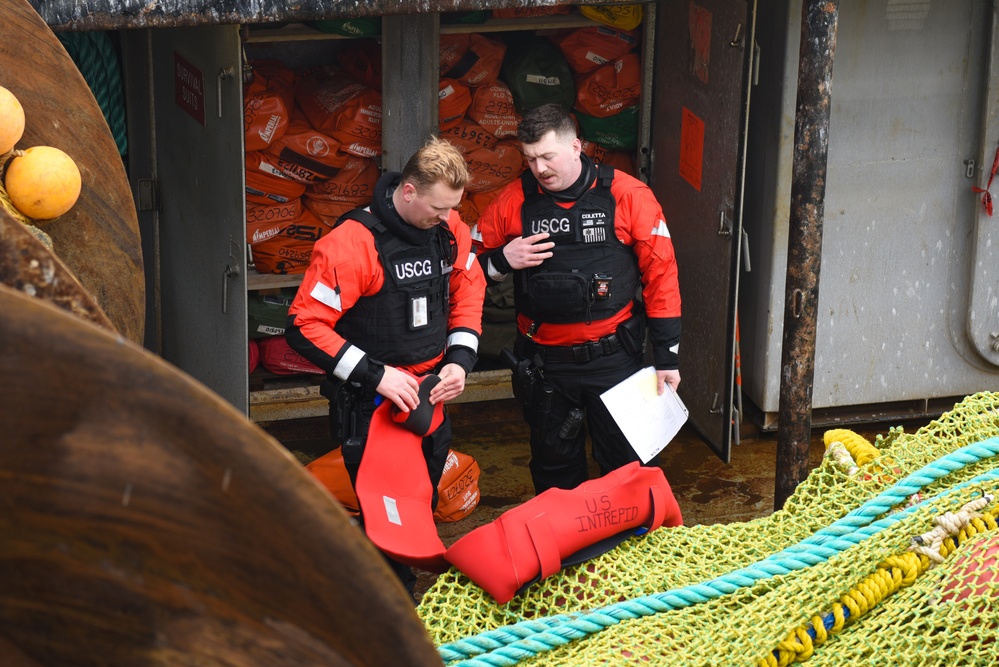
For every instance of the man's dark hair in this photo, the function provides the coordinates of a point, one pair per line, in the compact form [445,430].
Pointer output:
[541,120]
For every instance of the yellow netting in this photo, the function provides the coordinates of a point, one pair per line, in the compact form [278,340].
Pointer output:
[696,596]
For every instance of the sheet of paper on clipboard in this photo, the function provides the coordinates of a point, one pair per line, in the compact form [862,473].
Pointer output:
[648,420]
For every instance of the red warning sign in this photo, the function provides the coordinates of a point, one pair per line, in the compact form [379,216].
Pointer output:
[691,148]
[189,88]
[699,23]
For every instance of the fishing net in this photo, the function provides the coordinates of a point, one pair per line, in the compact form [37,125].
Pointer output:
[885,555]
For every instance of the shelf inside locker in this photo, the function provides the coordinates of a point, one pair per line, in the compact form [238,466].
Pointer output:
[261,281]
[280,397]
[291,32]
[528,23]
[300,32]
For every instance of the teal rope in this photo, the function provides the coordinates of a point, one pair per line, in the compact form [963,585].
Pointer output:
[95,57]
[507,646]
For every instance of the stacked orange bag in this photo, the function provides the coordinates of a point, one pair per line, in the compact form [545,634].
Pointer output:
[467,136]
[480,60]
[362,60]
[306,154]
[492,168]
[266,184]
[353,186]
[611,88]
[453,101]
[284,245]
[320,165]
[586,49]
[457,492]
[608,76]
[493,109]
[481,124]
[528,12]
[343,108]
[620,160]
[267,104]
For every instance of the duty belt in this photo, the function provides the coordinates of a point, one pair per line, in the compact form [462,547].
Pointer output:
[564,354]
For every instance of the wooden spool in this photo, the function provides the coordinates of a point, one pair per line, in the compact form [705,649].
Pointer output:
[147,522]
[98,239]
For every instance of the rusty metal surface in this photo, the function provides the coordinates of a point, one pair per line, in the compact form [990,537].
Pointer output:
[117,14]
[804,245]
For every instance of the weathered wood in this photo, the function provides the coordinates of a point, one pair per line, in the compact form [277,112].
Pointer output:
[99,238]
[114,14]
[27,265]
[147,522]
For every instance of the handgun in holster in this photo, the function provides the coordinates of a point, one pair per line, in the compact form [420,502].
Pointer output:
[529,386]
[344,398]
[631,333]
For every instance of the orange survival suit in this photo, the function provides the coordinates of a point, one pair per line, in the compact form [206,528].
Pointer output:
[381,291]
[581,329]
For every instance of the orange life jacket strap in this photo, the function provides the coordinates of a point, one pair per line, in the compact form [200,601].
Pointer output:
[545,545]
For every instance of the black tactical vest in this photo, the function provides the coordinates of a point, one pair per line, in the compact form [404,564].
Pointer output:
[406,321]
[591,274]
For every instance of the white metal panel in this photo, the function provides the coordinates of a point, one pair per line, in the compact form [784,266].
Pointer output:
[895,279]
[983,314]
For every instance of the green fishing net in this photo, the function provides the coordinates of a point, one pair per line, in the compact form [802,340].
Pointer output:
[885,555]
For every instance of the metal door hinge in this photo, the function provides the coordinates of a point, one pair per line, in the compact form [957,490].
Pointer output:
[746,266]
[724,228]
[145,195]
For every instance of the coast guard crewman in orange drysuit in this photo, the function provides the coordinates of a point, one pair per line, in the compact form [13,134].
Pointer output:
[394,286]
[582,242]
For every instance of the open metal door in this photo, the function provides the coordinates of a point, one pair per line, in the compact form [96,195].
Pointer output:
[700,105]
[198,113]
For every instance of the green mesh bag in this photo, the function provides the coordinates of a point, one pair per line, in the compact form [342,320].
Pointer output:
[617,132]
[537,73]
[267,313]
[886,555]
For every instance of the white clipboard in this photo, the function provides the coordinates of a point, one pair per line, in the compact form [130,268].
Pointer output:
[648,420]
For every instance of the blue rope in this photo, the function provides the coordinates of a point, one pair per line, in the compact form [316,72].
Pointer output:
[95,57]
[507,646]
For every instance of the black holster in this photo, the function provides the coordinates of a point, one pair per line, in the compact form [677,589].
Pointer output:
[345,408]
[529,385]
[631,333]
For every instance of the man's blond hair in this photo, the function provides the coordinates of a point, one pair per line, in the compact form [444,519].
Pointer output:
[437,162]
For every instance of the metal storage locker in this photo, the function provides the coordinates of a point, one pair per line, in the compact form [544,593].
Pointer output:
[196,164]
[184,61]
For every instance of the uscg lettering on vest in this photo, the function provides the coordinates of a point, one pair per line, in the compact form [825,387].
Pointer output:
[594,227]
[553,226]
[413,269]
[603,513]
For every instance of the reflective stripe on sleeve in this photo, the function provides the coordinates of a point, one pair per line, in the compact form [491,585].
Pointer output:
[493,273]
[325,294]
[348,362]
[465,339]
